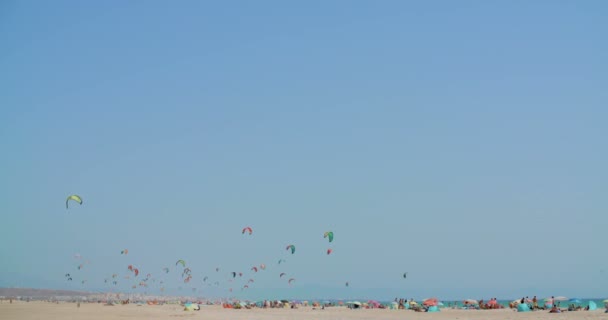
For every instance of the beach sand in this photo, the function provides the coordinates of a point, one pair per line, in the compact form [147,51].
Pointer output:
[20,310]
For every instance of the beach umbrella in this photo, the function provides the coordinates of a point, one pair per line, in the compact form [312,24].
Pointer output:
[374,303]
[561,298]
[471,301]
[430,302]
[575,300]
[605,301]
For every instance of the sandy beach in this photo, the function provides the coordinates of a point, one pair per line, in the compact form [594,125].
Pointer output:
[90,311]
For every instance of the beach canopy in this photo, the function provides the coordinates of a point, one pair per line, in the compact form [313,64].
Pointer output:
[558,298]
[433,309]
[471,301]
[575,300]
[523,307]
[430,302]
[191,307]
[374,303]
[592,306]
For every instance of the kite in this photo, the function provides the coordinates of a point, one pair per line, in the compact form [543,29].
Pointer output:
[292,248]
[75,198]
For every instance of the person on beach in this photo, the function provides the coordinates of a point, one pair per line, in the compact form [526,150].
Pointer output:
[534,303]
[555,309]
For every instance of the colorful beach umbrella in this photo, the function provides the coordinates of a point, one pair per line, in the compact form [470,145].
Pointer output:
[430,302]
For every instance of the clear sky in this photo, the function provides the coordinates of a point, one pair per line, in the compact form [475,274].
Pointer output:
[463,142]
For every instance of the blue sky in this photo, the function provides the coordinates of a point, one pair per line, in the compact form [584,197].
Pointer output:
[462,142]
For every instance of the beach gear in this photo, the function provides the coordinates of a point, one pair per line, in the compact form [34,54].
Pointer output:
[433,309]
[592,306]
[191,307]
[523,307]
[431,302]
